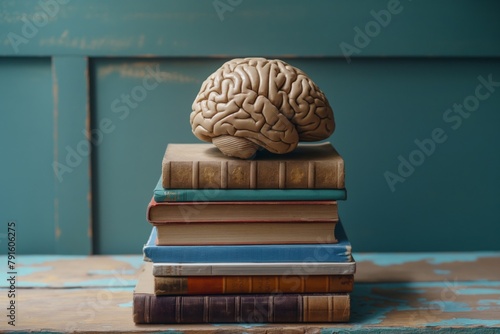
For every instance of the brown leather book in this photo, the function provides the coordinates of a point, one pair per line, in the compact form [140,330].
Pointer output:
[252,211]
[237,233]
[251,308]
[203,166]
[243,223]
[212,285]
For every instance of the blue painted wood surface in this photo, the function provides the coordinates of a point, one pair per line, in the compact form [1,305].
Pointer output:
[400,84]
[455,293]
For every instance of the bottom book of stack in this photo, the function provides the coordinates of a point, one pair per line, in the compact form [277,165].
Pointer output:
[292,284]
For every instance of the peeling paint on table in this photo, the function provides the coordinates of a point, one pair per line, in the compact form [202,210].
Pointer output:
[94,294]
[390,259]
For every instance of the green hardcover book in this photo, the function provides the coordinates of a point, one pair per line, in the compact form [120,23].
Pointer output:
[221,195]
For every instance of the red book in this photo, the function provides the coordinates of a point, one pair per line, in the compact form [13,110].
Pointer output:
[213,285]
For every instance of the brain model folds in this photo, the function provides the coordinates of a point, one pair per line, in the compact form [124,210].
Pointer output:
[255,102]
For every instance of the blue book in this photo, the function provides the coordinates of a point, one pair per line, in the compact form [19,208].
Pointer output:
[222,195]
[323,252]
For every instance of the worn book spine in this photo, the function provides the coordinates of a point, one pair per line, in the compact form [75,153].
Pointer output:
[241,211]
[253,174]
[254,268]
[255,308]
[212,285]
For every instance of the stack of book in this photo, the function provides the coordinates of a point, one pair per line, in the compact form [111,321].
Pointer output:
[246,241]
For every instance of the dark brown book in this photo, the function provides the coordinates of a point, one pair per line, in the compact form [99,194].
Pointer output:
[203,166]
[252,308]
[212,285]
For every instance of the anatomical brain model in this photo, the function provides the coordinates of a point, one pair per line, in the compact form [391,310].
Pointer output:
[254,103]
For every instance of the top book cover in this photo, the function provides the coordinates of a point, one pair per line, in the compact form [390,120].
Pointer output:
[203,166]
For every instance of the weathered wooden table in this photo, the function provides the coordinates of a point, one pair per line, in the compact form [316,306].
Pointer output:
[414,293]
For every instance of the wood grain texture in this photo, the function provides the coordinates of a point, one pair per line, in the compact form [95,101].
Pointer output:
[406,305]
[427,267]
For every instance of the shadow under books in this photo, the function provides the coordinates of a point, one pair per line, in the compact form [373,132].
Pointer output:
[372,302]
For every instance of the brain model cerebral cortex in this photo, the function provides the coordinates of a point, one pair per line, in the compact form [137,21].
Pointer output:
[254,103]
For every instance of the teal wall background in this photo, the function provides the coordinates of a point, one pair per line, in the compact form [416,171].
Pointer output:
[67,67]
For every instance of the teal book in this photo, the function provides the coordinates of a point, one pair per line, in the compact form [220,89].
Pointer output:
[306,253]
[222,195]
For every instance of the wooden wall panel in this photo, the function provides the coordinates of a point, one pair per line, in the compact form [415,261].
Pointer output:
[316,28]
[27,152]
[72,155]
[382,107]
[406,75]
[145,105]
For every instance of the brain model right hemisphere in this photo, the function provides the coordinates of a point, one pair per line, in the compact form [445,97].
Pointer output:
[254,103]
